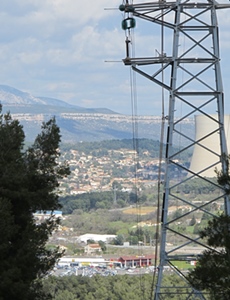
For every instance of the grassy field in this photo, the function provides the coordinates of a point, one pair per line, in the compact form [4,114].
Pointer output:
[139,210]
[144,210]
[183,265]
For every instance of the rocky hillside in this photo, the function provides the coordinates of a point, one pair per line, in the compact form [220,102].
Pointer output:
[78,123]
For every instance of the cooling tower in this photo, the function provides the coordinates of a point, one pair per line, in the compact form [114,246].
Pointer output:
[206,153]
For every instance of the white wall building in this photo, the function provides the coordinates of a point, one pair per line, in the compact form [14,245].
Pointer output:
[106,238]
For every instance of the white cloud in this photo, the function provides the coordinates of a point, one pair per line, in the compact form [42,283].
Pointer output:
[57,48]
[78,12]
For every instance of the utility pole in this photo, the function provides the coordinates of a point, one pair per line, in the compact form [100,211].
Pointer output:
[191,68]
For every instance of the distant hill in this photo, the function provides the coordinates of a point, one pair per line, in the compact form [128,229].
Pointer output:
[78,123]
[22,102]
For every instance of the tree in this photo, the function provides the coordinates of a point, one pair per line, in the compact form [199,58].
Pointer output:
[28,183]
[212,272]
[119,240]
[192,221]
[102,245]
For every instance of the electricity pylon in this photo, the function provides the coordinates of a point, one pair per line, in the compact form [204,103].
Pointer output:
[190,65]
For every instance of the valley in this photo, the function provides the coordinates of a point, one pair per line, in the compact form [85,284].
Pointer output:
[112,190]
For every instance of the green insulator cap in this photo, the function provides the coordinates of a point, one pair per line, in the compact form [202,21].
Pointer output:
[124,25]
[130,8]
[128,23]
[122,7]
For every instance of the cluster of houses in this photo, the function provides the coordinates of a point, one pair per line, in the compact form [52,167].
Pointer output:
[90,173]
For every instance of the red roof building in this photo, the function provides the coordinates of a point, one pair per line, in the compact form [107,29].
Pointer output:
[92,248]
[136,261]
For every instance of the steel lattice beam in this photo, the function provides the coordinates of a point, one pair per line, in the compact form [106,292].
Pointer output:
[201,92]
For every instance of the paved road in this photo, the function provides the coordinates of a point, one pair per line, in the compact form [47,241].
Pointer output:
[184,250]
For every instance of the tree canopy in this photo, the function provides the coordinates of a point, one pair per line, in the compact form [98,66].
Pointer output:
[118,287]
[28,183]
[212,272]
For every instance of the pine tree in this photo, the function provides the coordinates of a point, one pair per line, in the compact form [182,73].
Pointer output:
[29,181]
[212,271]
[192,221]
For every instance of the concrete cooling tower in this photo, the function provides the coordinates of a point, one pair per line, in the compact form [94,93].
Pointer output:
[207,152]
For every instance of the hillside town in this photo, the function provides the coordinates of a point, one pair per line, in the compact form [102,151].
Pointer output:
[99,173]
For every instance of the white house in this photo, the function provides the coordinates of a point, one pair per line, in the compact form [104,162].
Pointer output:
[92,248]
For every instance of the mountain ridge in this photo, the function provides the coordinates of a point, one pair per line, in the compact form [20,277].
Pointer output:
[12,98]
[78,123]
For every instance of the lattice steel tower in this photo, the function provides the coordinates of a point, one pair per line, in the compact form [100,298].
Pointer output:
[190,64]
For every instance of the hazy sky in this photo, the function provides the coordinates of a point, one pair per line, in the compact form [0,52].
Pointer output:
[58,49]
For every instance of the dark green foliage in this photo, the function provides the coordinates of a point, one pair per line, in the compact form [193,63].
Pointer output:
[99,200]
[119,287]
[28,182]
[94,200]
[198,186]
[223,178]
[193,221]
[99,287]
[144,234]
[119,240]
[212,272]
[102,245]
